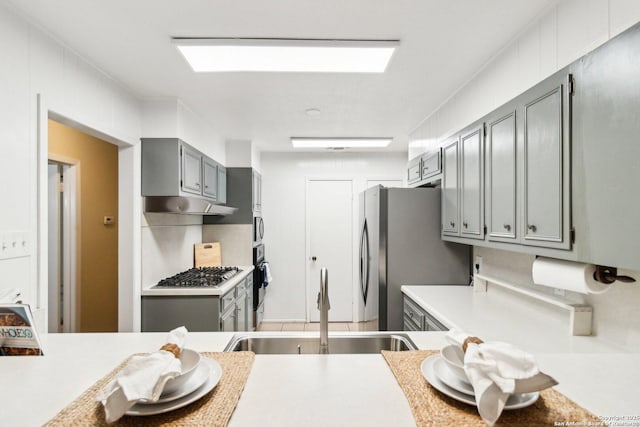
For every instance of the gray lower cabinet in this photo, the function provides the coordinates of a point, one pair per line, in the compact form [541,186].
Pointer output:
[241,308]
[450,189]
[472,183]
[228,321]
[418,319]
[230,312]
[248,283]
[501,179]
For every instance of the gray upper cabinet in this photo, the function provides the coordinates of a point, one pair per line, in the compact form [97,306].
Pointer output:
[210,178]
[414,170]
[546,160]
[450,189]
[257,192]
[425,170]
[191,170]
[501,181]
[472,183]
[222,184]
[171,167]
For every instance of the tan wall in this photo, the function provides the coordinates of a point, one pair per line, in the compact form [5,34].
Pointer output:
[97,308]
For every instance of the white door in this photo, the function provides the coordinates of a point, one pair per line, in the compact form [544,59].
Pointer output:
[330,245]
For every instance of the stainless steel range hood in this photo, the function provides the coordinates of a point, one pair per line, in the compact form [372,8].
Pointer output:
[185,205]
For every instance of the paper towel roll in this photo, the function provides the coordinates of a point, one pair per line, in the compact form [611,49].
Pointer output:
[569,275]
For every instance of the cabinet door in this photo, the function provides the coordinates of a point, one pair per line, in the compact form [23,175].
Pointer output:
[546,175]
[210,173]
[222,184]
[191,176]
[501,177]
[249,303]
[241,313]
[257,192]
[430,165]
[413,171]
[228,321]
[450,193]
[472,185]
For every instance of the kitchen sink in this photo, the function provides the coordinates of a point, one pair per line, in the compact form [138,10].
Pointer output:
[353,343]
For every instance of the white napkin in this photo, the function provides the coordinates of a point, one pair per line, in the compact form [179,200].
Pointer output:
[493,369]
[143,377]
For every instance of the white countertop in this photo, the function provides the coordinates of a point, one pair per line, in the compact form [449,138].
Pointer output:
[215,290]
[307,390]
[594,373]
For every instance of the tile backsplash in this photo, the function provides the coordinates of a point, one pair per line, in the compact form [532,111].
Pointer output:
[236,242]
[167,245]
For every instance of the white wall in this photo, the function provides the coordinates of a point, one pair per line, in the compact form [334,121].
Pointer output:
[569,30]
[171,118]
[75,92]
[284,177]
[72,89]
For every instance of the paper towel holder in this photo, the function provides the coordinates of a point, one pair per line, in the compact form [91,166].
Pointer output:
[608,275]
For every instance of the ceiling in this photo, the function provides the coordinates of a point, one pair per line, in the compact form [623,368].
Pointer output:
[442,44]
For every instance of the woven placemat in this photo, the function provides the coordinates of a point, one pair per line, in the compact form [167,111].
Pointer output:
[214,409]
[432,408]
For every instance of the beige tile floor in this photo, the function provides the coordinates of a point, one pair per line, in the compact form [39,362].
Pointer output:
[333,326]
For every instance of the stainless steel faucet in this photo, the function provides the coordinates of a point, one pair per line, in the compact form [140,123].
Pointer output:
[324,306]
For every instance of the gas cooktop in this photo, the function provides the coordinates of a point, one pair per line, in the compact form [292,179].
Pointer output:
[201,277]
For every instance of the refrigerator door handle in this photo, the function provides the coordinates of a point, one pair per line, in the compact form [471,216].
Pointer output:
[364,262]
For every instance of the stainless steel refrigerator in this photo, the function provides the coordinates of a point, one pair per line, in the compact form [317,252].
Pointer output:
[400,244]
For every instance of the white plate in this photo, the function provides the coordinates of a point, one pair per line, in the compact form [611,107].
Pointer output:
[445,375]
[201,374]
[160,408]
[515,401]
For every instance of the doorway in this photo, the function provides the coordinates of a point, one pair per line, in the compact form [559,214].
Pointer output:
[330,245]
[83,232]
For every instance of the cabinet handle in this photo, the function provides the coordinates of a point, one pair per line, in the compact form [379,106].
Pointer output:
[532,227]
[453,224]
[197,184]
[507,227]
[465,225]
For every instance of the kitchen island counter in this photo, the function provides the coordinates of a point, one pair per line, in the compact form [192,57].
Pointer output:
[307,390]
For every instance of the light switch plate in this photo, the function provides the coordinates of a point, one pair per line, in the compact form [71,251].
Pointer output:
[14,244]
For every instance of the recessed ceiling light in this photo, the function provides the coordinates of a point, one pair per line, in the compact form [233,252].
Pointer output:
[286,55]
[299,142]
[312,112]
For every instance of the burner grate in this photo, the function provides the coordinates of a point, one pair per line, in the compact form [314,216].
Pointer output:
[201,277]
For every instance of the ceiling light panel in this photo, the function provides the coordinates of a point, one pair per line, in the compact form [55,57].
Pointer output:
[286,55]
[298,142]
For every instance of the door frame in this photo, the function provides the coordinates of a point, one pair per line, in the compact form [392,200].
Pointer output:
[71,239]
[354,234]
[129,215]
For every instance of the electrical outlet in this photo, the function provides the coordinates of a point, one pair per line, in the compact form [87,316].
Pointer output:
[477,265]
